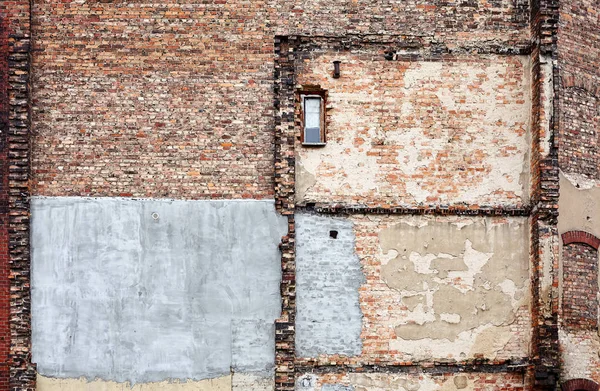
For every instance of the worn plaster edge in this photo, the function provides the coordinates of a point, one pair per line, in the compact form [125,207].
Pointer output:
[525,178]
[218,383]
[145,199]
[67,384]
[581,182]
[131,384]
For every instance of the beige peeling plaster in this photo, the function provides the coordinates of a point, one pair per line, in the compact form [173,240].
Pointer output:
[469,143]
[51,384]
[385,382]
[463,283]
[579,205]
[580,353]
[235,382]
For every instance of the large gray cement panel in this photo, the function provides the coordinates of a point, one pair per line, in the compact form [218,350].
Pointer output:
[328,276]
[120,295]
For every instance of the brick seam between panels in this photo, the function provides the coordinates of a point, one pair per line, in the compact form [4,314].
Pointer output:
[22,370]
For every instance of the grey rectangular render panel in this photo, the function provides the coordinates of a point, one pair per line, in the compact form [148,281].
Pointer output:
[149,290]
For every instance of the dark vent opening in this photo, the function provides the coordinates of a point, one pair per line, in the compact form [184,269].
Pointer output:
[333,234]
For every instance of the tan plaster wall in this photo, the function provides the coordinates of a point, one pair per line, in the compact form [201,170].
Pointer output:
[442,288]
[422,132]
[50,384]
[579,205]
[407,382]
[234,382]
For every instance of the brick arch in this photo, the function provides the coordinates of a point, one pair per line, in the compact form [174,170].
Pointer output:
[580,237]
[579,384]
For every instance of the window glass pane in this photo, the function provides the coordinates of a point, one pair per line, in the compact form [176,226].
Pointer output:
[312,135]
[312,112]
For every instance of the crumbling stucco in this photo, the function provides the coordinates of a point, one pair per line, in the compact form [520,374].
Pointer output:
[50,384]
[149,290]
[405,382]
[233,382]
[328,276]
[580,354]
[579,203]
[463,284]
[420,132]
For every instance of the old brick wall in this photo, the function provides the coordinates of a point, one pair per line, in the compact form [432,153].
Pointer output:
[425,382]
[438,130]
[14,144]
[410,317]
[579,160]
[4,259]
[175,100]
[171,99]
[579,48]
[580,286]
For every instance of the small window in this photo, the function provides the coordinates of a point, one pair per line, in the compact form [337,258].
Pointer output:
[314,123]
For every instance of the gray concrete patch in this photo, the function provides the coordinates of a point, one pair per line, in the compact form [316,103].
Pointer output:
[336,387]
[148,290]
[328,276]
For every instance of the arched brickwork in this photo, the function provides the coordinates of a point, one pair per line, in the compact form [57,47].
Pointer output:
[580,280]
[579,384]
[580,237]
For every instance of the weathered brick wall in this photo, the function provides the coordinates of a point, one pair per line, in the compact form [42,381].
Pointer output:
[15,47]
[425,382]
[580,286]
[579,50]
[437,289]
[580,139]
[163,99]
[445,129]
[579,160]
[4,242]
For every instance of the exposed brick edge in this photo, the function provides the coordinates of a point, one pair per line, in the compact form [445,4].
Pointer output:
[4,257]
[285,326]
[579,384]
[544,198]
[426,210]
[433,368]
[22,370]
[580,237]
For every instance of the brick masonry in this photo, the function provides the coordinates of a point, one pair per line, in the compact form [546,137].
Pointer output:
[396,141]
[164,99]
[579,160]
[580,286]
[175,100]
[15,178]
[4,257]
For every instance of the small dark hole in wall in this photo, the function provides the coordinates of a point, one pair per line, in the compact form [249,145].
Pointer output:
[333,234]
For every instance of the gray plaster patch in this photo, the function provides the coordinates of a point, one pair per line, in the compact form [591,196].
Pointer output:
[336,387]
[148,290]
[328,276]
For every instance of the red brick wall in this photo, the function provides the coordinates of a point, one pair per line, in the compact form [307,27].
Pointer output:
[4,258]
[580,286]
[163,99]
[579,50]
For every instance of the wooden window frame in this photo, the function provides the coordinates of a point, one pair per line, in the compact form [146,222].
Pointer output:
[313,92]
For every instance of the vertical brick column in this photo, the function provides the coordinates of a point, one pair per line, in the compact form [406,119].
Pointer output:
[544,194]
[4,258]
[14,194]
[284,201]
